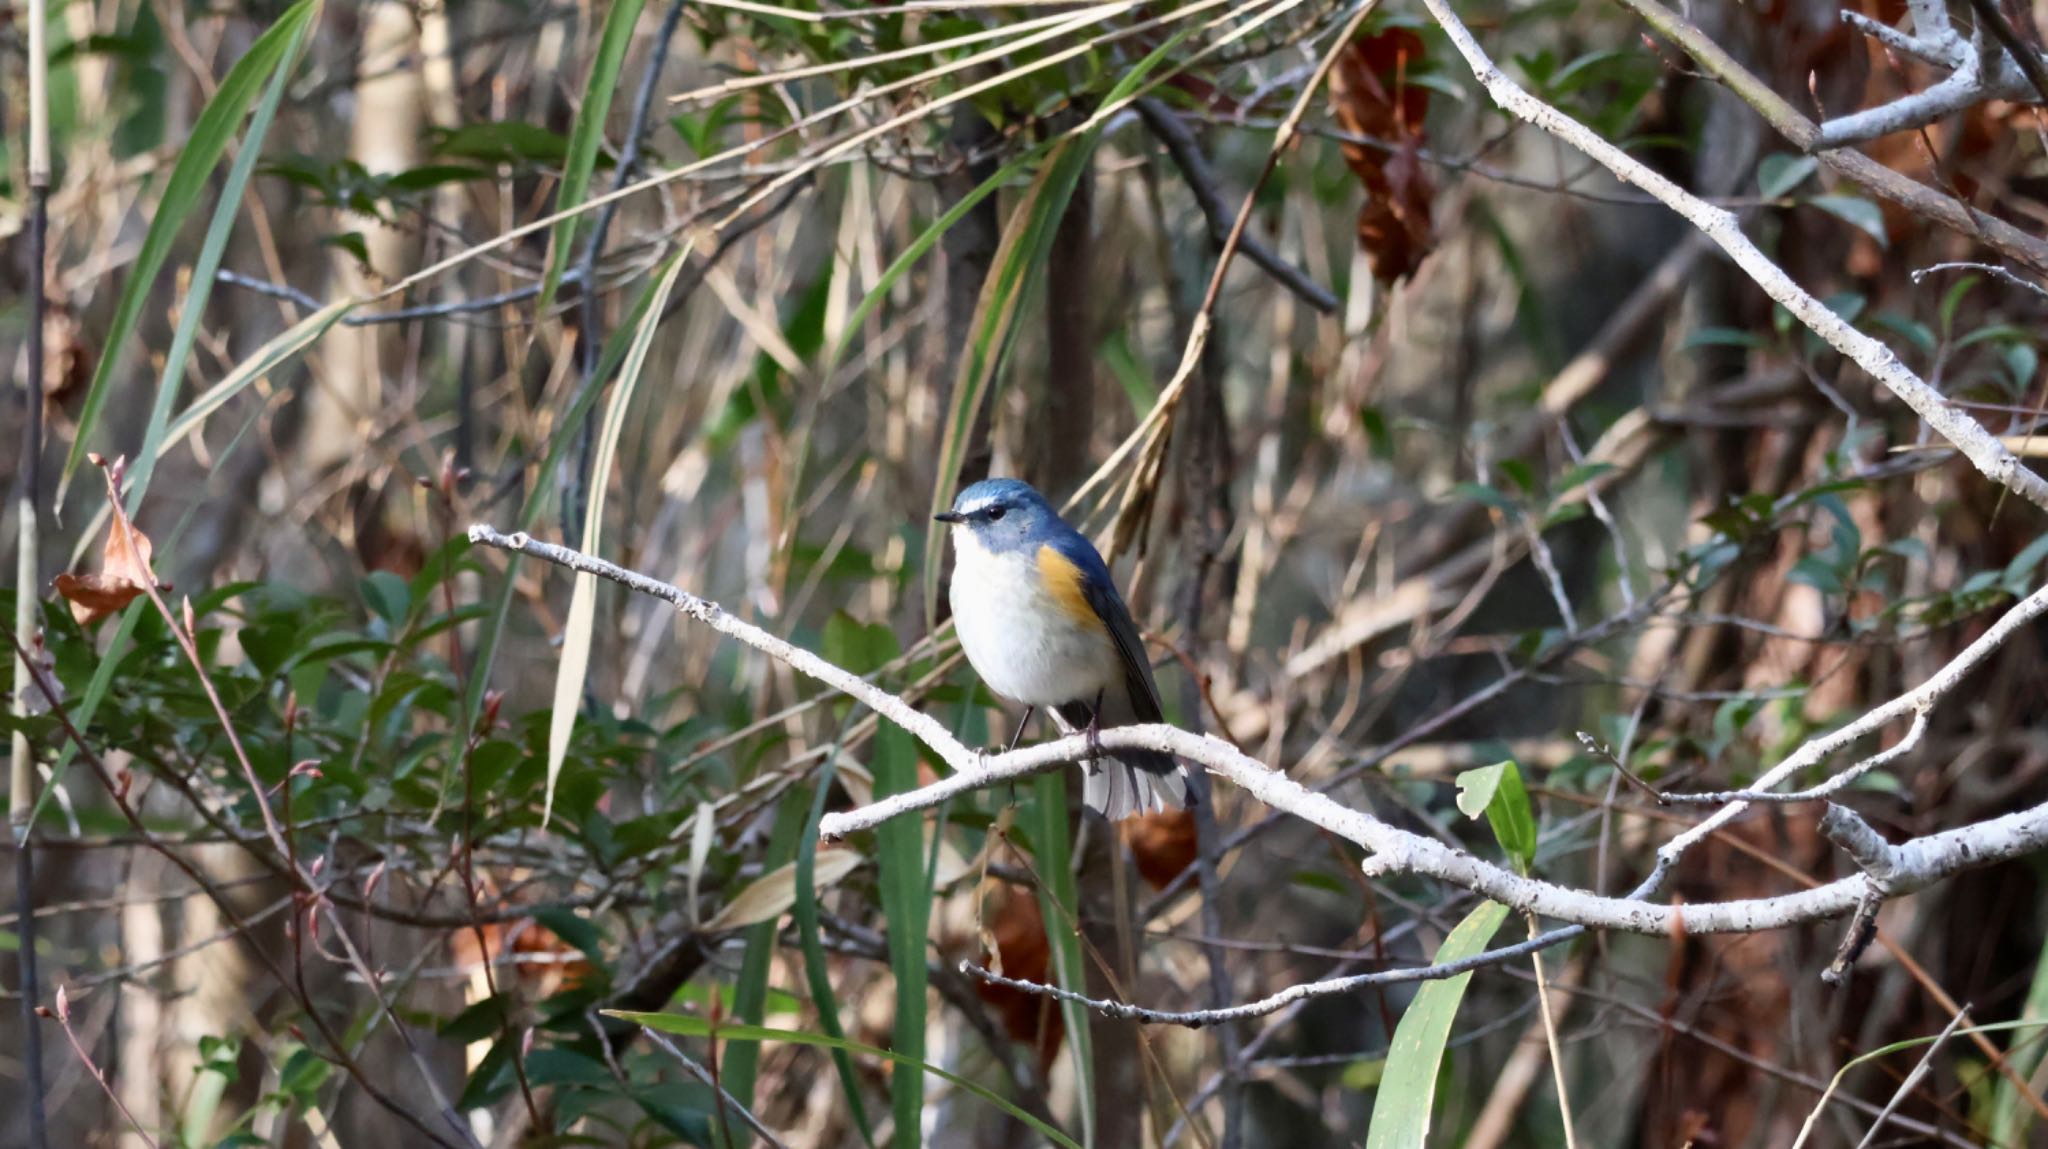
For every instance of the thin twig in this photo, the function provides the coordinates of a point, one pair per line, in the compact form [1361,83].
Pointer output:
[702,1074]
[1187,155]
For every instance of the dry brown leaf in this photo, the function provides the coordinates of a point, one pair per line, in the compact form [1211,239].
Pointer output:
[1162,845]
[1017,947]
[123,575]
[1370,97]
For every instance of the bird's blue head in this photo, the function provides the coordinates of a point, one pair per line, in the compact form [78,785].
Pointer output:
[1004,516]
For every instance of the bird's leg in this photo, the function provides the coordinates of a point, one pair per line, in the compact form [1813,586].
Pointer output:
[1016,738]
[1095,731]
[1019,735]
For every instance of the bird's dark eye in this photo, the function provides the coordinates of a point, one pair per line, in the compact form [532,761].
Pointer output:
[995,514]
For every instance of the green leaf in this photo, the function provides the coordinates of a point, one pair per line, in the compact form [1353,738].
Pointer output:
[579,629]
[1013,276]
[1721,337]
[1407,1089]
[1059,902]
[750,991]
[1778,174]
[906,907]
[1497,792]
[1018,265]
[584,139]
[1857,212]
[817,975]
[686,1025]
[270,58]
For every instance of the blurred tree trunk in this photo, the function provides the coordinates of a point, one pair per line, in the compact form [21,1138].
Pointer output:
[384,138]
[1059,429]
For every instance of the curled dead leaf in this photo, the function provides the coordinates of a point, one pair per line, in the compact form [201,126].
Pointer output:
[1371,99]
[123,575]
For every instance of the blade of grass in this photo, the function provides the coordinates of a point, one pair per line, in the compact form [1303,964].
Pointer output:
[280,350]
[906,907]
[295,25]
[816,975]
[584,139]
[1059,903]
[2010,1115]
[1407,1090]
[687,1025]
[267,59]
[1015,272]
[1834,1083]
[564,437]
[582,620]
[1018,266]
[750,991]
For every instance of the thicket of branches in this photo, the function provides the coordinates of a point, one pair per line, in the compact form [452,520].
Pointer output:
[482,675]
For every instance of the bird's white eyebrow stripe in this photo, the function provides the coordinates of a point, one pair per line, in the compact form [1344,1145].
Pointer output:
[977,506]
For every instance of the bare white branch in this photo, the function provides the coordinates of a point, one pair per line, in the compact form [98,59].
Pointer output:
[1978,71]
[1982,448]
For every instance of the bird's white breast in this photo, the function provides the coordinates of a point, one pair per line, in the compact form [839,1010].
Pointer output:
[1019,638]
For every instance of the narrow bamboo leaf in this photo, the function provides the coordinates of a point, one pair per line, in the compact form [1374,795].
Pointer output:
[690,1025]
[566,435]
[585,137]
[1496,793]
[2011,1115]
[192,310]
[1013,276]
[816,975]
[1059,903]
[773,894]
[197,158]
[1401,1106]
[906,905]
[577,631]
[281,349]
[922,245]
[1018,266]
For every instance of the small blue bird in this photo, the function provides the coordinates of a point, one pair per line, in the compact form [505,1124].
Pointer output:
[1042,623]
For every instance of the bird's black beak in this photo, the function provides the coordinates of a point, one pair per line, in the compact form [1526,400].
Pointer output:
[950,517]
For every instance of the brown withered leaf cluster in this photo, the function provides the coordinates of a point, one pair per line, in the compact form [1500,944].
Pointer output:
[123,575]
[1370,97]
[542,963]
[1015,945]
[1162,845]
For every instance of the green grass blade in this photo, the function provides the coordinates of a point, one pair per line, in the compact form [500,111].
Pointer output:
[1018,266]
[923,244]
[688,1025]
[577,632]
[1401,1107]
[564,437]
[197,158]
[2011,1115]
[268,358]
[750,991]
[585,137]
[906,906]
[816,975]
[1014,274]
[1059,903]
[295,25]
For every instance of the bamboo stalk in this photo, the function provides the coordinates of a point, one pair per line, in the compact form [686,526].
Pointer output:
[21,764]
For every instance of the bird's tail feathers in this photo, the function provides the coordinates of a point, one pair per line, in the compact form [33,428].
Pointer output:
[1119,791]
